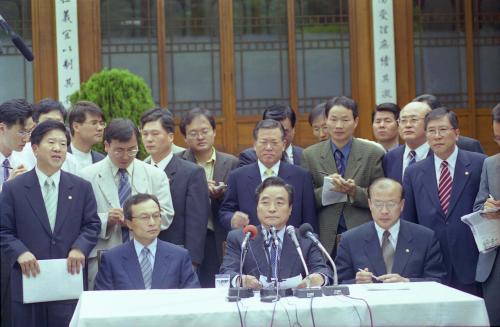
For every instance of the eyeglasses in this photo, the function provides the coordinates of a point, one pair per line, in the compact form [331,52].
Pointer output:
[130,153]
[24,134]
[195,134]
[95,123]
[411,121]
[144,218]
[389,205]
[440,131]
[264,143]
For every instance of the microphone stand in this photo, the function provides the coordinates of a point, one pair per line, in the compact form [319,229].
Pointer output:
[334,289]
[272,294]
[239,292]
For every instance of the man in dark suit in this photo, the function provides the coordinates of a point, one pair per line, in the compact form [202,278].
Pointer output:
[385,125]
[286,116]
[239,206]
[388,249]
[441,189]
[46,214]
[188,185]
[145,262]
[463,142]
[416,148]
[198,128]
[274,206]
[488,197]
[86,124]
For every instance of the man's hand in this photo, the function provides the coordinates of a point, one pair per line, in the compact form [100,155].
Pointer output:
[364,277]
[28,264]
[250,281]
[315,279]
[19,170]
[491,204]
[115,216]
[342,185]
[393,278]
[239,220]
[76,259]
[216,190]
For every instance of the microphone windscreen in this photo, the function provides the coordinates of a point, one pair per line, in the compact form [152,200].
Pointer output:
[250,229]
[21,46]
[304,228]
[290,229]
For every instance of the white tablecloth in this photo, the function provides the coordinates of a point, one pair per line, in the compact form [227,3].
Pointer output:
[420,304]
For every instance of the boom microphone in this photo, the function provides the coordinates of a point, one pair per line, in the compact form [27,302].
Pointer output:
[16,40]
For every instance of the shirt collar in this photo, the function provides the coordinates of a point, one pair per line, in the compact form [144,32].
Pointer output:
[451,160]
[163,162]
[152,247]
[262,169]
[345,150]
[56,177]
[114,169]
[75,151]
[394,230]
[289,152]
[420,152]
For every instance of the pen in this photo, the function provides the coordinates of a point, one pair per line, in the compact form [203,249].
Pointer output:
[491,197]
[373,276]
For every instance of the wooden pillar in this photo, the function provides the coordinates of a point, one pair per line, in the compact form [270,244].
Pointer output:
[89,38]
[292,56]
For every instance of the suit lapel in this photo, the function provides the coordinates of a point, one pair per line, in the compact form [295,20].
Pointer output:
[130,263]
[257,254]
[253,180]
[327,162]
[404,249]
[429,180]
[288,258]
[460,179]
[171,169]
[374,252]
[219,167]
[35,199]
[354,160]
[107,185]
[160,268]
[64,202]
[138,176]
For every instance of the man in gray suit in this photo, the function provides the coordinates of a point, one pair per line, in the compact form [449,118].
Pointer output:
[117,177]
[488,265]
[187,184]
[351,163]
[198,128]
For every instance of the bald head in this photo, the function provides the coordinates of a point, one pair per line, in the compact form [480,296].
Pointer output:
[385,185]
[411,123]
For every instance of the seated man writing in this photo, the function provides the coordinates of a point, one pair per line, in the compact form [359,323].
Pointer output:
[274,205]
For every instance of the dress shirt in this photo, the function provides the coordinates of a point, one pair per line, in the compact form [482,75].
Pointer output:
[116,174]
[346,150]
[209,167]
[262,169]
[452,162]
[394,230]
[15,159]
[152,249]
[163,162]
[421,154]
[84,158]
[56,177]
[289,153]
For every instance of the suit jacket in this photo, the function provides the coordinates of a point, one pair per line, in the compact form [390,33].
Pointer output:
[490,184]
[145,179]
[392,163]
[364,165]
[422,206]
[469,144]
[248,156]
[240,194]
[256,263]
[24,225]
[417,257]
[224,163]
[96,156]
[120,269]
[189,190]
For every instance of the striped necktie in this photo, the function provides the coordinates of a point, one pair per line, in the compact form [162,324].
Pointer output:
[413,157]
[339,162]
[444,188]
[50,199]
[124,192]
[387,251]
[6,167]
[146,269]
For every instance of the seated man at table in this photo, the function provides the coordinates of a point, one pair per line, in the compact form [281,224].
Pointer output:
[274,205]
[145,262]
[388,249]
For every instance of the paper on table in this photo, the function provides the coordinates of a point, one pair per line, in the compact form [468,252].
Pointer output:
[486,231]
[291,282]
[54,283]
[331,197]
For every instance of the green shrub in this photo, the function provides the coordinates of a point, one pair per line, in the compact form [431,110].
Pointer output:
[120,94]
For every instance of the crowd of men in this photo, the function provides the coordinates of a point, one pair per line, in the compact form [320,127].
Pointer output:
[175,219]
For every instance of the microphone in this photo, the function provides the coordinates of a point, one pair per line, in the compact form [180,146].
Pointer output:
[16,40]
[291,231]
[239,292]
[265,237]
[274,236]
[307,231]
[250,232]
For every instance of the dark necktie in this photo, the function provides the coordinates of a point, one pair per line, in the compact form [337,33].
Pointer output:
[387,251]
[6,169]
[274,259]
[339,161]
[124,192]
[444,188]
[413,157]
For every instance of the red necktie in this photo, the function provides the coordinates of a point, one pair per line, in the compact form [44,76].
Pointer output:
[444,189]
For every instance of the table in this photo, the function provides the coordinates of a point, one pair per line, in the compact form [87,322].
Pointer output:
[402,304]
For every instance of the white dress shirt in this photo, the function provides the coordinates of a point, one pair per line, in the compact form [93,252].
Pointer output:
[262,169]
[421,154]
[452,162]
[164,162]
[84,158]
[394,230]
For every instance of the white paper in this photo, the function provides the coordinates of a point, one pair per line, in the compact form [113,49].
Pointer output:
[486,231]
[291,282]
[54,283]
[331,197]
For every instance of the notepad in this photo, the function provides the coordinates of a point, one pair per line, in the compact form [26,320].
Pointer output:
[54,283]
[486,231]
[331,197]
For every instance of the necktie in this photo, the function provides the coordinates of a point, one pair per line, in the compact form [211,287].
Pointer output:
[269,172]
[444,188]
[146,269]
[274,259]
[387,251]
[339,156]
[6,167]
[50,199]
[124,192]
[413,157]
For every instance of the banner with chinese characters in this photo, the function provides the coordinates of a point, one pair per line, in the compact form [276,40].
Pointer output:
[68,66]
[383,51]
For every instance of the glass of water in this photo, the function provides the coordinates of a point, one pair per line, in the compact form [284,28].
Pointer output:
[222,280]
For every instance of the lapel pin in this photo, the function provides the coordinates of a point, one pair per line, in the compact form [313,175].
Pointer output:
[407,251]
[69,197]
[466,173]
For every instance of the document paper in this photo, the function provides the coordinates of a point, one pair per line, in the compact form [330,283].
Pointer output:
[486,231]
[331,197]
[54,283]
